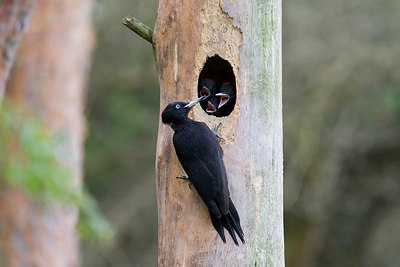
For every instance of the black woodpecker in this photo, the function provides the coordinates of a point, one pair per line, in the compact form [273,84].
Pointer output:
[212,106]
[200,155]
[227,98]
[207,89]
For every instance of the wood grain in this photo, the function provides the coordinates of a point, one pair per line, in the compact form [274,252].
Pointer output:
[248,35]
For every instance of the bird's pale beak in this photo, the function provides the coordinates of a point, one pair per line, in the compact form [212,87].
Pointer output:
[205,91]
[224,99]
[194,102]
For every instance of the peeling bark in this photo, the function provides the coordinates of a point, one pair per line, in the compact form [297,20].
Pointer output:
[248,35]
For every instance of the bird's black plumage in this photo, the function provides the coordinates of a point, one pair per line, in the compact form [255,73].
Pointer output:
[227,98]
[207,89]
[212,106]
[217,101]
[200,155]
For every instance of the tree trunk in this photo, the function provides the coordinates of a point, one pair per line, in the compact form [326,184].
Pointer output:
[49,80]
[248,35]
[14,20]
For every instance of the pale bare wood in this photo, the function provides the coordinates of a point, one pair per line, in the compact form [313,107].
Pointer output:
[248,35]
[49,81]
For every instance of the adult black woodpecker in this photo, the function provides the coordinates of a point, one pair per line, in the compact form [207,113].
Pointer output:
[207,89]
[227,99]
[200,155]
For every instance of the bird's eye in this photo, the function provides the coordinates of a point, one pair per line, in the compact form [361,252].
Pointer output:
[177,106]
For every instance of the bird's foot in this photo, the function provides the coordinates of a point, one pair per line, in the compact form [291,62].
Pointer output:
[216,131]
[185,177]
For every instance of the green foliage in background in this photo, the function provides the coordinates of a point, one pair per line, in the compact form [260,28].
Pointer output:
[341,133]
[28,161]
[123,108]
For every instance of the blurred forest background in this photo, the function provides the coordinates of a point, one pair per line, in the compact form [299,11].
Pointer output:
[341,104]
[341,88]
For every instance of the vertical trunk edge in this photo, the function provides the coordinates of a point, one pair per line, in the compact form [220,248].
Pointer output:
[248,35]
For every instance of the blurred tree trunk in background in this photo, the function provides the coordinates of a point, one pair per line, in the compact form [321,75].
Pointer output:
[342,126]
[49,80]
[248,35]
[14,21]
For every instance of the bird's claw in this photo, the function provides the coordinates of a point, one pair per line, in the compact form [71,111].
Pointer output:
[185,177]
[216,132]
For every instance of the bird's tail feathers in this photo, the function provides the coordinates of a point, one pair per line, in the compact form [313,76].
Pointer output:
[227,222]
[231,222]
[234,216]
[218,226]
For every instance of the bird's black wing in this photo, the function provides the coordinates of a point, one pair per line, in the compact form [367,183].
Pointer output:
[200,155]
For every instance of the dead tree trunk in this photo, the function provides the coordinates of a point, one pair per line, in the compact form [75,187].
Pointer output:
[247,34]
[48,81]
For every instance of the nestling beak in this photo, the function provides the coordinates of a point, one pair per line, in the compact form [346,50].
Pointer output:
[224,99]
[194,102]
[205,91]
[210,108]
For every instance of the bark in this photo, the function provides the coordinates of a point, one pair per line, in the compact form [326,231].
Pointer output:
[49,81]
[248,35]
[14,21]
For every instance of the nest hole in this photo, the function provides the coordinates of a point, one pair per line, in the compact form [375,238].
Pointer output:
[217,82]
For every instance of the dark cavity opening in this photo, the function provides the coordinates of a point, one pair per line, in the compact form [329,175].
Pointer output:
[217,83]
